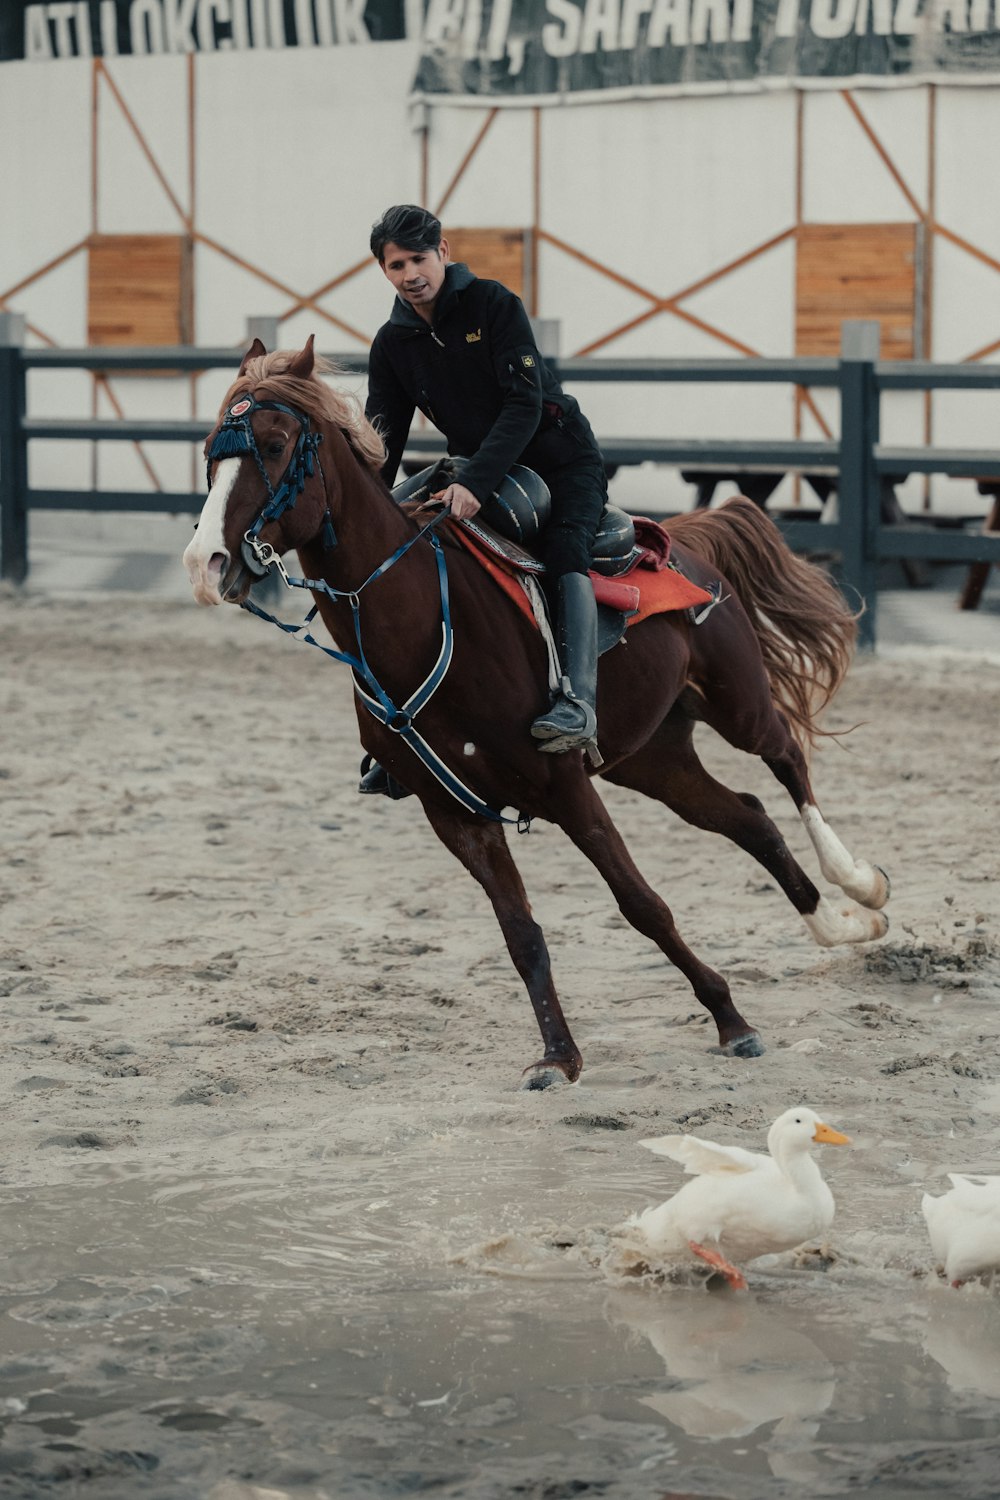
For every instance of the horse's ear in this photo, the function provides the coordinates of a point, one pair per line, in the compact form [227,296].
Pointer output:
[254,352]
[302,365]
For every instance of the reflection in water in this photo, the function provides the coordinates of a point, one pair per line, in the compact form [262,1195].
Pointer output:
[963,1336]
[735,1366]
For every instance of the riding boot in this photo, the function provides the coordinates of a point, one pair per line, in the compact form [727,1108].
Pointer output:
[376,781]
[571,722]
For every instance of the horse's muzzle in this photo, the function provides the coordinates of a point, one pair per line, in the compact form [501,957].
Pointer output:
[218,578]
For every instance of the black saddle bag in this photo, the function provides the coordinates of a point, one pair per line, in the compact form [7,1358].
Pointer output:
[519,508]
[614,550]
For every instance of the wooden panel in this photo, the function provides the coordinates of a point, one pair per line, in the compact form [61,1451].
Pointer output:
[496,254]
[139,289]
[857,271]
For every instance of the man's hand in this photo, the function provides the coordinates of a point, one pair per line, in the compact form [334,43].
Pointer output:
[462,501]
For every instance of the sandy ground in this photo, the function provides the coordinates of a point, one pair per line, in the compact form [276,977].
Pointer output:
[185,859]
[218,962]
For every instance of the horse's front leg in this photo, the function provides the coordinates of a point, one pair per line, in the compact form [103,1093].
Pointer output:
[482,848]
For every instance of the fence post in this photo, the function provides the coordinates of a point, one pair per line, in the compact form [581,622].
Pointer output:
[858,491]
[13,451]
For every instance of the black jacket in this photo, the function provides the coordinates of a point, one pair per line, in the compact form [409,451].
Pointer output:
[476,373]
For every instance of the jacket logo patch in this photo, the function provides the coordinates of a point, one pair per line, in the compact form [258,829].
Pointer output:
[528,361]
[473,338]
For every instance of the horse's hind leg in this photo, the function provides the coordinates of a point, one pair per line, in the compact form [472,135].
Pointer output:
[482,849]
[668,769]
[581,813]
[739,706]
[857,878]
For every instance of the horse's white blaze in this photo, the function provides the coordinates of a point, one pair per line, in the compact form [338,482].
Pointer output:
[831,926]
[207,546]
[856,877]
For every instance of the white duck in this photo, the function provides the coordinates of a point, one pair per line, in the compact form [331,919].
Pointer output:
[742,1204]
[964,1226]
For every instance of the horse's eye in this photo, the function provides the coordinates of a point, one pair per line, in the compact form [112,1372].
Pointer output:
[275,450]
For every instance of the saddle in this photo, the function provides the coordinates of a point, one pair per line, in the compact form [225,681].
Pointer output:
[632,571]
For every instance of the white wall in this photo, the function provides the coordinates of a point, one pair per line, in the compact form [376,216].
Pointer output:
[295,154]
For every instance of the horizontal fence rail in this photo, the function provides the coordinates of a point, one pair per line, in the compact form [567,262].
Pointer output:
[858,466]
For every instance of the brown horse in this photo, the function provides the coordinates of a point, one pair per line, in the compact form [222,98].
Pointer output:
[767,658]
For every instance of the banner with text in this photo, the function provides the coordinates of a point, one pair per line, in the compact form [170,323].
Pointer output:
[513,50]
[114,28]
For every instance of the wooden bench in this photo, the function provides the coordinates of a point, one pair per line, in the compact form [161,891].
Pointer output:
[757,485]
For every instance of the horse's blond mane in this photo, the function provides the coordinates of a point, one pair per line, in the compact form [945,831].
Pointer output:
[266,378]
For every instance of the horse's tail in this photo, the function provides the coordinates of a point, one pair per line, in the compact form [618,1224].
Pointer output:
[805,628]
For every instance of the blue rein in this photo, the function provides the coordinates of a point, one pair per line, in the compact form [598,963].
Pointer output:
[235,439]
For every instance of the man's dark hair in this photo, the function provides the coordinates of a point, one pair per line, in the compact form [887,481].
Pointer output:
[409,227]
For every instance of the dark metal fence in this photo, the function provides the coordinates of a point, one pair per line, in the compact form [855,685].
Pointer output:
[859,465]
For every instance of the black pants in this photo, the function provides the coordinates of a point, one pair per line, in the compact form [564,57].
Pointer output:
[579,492]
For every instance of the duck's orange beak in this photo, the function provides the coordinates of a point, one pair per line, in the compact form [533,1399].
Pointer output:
[830,1137]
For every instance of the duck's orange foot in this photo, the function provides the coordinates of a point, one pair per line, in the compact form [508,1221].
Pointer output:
[718,1262]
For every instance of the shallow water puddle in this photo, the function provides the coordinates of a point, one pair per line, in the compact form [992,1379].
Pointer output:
[331,1335]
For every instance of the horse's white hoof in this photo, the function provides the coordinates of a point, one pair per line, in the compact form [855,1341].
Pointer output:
[832,926]
[869,886]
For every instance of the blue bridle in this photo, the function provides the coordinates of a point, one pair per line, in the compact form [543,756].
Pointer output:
[236,439]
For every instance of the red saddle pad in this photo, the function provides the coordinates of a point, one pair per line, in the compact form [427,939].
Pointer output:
[651,587]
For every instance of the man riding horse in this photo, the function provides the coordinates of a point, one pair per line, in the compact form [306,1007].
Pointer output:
[460,349]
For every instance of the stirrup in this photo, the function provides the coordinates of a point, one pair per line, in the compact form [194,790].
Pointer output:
[376,781]
[564,742]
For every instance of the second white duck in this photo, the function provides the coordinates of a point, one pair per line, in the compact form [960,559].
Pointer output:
[964,1226]
[742,1204]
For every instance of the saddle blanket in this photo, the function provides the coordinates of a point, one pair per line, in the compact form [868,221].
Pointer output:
[653,586]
